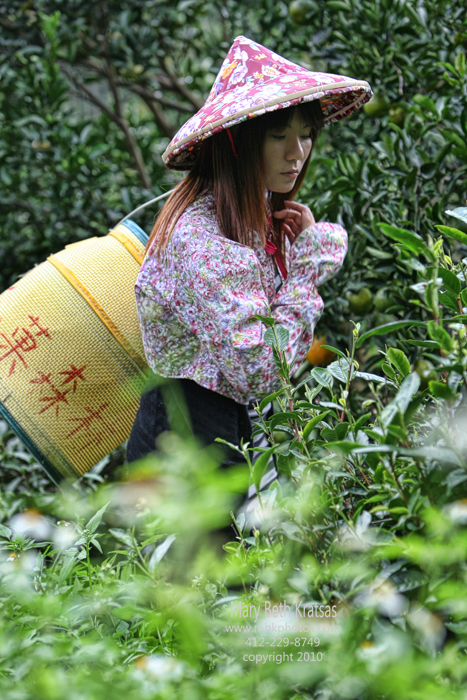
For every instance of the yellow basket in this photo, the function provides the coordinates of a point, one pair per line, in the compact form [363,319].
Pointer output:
[72,364]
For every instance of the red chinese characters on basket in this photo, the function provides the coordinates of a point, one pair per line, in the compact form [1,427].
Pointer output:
[85,423]
[93,424]
[73,374]
[57,396]
[22,340]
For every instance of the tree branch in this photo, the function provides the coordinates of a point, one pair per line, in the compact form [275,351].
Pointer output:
[182,89]
[161,120]
[143,89]
[90,96]
[130,139]
[116,117]
[146,92]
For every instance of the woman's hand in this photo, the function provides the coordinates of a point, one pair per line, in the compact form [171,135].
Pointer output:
[297,217]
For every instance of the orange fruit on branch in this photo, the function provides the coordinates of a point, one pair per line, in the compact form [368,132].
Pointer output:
[317,355]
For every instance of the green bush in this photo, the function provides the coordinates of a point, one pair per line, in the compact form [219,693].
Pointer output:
[124,582]
[121,582]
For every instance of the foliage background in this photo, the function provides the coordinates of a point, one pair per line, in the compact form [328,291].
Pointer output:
[370,510]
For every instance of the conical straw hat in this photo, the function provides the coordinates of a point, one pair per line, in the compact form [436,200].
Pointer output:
[254,80]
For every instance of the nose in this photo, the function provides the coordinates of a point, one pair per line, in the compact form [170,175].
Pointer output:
[295,149]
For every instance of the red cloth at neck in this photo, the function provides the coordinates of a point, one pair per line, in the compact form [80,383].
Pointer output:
[271,247]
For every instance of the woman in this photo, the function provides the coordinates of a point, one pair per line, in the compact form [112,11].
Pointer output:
[231,242]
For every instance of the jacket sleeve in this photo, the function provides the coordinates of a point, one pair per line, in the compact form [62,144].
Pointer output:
[219,288]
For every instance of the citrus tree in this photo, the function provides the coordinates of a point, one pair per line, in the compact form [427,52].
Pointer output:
[145,68]
[119,581]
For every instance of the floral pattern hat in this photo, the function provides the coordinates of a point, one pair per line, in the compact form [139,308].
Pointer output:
[254,80]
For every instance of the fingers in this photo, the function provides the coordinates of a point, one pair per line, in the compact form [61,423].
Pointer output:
[291,226]
[295,218]
[307,218]
[283,213]
[291,235]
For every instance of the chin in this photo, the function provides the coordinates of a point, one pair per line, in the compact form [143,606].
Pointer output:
[282,189]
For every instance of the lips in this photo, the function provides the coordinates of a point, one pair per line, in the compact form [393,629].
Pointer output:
[290,172]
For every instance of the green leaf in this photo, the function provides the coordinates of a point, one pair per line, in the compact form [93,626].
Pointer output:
[449,66]
[360,423]
[5,532]
[414,405]
[340,369]
[369,377]
[269,338]
[441,391]
[409,240]
[453,233]
[414,16]
[342,446]
[452,136]
[267,320]
[458,213]
[430,344]
[440,335]
[388,370]
[464,297]
[269,398]
[334,350]
[388,328]
[431,452]
[65,570]
[159,553]
[95,521]
[338,433]
[450,280]
[449,300]
[427,103]
[459,63]
[150,540]
[399,360]
[311,425]
[122,536]
[285,464]
[275,354]
[337,5]
[369,449]
[398,510]
[282,337]
[379,254]
[284,417]
[402,399]
[259,467]
[322,376]
[96,544]
[456,367]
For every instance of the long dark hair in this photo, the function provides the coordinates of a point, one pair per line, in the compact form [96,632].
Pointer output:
[237,183]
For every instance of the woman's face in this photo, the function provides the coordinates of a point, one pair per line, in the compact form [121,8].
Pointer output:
[285,153]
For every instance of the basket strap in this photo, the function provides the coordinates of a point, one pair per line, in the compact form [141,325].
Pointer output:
[146,204]
[124,240]
[97,308]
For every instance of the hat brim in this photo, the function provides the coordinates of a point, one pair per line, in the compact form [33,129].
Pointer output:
[338,99]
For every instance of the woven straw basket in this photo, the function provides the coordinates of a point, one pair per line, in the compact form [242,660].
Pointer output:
[72,364]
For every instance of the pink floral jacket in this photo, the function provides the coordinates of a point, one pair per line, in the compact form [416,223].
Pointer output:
[196,305]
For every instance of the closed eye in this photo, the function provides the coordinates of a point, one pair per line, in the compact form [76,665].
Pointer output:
[279,137]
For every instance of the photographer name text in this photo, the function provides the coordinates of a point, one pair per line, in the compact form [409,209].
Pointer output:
[282,611]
